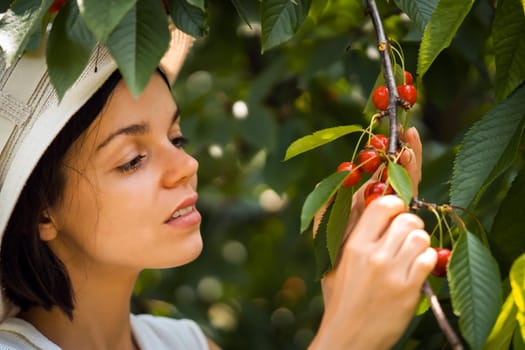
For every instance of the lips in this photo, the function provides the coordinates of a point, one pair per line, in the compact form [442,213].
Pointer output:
[184,208]
[181,212]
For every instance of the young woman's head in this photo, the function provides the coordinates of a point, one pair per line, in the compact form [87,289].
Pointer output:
[113,193]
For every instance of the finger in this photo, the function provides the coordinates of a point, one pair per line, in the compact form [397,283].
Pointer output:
[422,266]
[376,218]
[358,206]
[396,235]
[411,158]
[411,137]
[416,242]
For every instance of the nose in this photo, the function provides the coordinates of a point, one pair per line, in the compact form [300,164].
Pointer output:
[178,167]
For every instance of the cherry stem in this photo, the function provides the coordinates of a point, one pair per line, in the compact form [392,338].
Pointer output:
[383,46]
[441,318]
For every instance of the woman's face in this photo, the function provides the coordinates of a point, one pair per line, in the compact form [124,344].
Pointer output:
[130,193]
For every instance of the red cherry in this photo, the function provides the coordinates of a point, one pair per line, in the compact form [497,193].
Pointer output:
[371,198]
[379,142]
[380,97]
[56,5]
[440,270]
[368,160]
[354,177]
[407,93]
[378,187]
[408,78]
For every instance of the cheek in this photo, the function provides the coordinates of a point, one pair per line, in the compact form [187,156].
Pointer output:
[95,221]
[78,212]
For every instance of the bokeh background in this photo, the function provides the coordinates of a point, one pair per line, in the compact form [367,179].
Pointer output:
[254,287]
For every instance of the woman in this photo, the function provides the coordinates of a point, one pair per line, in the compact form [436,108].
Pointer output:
[97,187]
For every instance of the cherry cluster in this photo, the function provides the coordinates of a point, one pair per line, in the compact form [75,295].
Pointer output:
[407,93]
[369,159]
[374,154]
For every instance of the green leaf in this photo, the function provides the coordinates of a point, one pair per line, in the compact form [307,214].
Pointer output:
[319,197]
[139,42]
[280,19]
[103,16]
[68,49]
[517,282]
[475,288]
[200,4]
[338,221]
[316,9]
[189,18]
[319,138]
[419,11]
[506,237]
[478,162]
[241,12]
[400,182]
[501,334]
[322,258]
[18,24]
[4,5]
[509,47]
[518,342]
[440,30]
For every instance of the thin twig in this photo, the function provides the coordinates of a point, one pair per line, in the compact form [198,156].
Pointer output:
[441,318]
[383,47]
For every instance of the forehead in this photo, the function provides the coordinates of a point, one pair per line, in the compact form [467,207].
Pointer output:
[123,109]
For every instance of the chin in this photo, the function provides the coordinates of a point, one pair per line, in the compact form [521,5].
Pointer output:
[195,250]
[185,252]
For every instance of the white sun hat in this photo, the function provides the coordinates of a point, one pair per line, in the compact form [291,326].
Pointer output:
[31,115]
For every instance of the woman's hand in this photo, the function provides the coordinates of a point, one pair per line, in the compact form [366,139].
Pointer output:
[371,294]
[375,286]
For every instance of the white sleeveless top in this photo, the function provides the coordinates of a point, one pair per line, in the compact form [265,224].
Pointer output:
[150,333]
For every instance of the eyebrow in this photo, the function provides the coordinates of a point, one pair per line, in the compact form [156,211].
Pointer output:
[133,129]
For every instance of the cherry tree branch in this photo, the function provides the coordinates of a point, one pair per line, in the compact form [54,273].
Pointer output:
[383,46]
[441,318]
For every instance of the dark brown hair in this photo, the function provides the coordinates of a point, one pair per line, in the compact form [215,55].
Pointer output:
[30,273]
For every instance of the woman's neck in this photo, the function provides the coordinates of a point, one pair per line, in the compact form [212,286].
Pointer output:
[101,317]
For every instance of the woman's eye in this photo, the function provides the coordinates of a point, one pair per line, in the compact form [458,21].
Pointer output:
[180,141]
[132,165]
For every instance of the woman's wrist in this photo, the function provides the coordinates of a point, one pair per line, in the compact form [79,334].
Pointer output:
[343,336]
[329,336]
